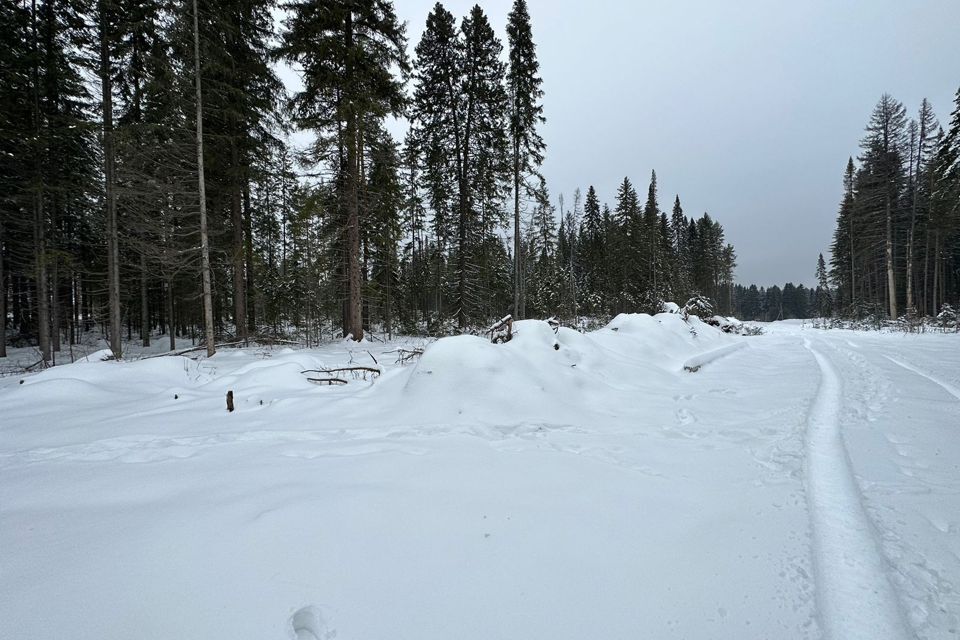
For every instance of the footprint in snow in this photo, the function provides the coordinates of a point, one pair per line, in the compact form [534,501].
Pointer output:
[307,624]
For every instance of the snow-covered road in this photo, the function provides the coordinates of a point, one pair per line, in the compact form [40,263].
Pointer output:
[804,486]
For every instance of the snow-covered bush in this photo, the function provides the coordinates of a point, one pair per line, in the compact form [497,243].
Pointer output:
[947,318]
[700,306]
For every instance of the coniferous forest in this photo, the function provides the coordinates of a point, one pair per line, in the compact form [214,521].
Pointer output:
[150,186]
[896,247]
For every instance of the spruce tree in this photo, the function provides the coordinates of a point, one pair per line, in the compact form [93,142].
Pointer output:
[348,50]
[526,114]
[823,296]
[843,249]
[884,179]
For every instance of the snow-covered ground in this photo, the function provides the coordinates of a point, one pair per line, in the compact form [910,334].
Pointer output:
[805,485]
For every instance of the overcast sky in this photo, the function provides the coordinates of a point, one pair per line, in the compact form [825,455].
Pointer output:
[746,109]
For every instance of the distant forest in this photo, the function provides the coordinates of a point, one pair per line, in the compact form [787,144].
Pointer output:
[148,186]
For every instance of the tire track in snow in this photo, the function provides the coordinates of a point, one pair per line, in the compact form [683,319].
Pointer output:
[949,388]
[855,597]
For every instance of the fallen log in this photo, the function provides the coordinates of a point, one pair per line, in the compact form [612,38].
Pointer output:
[327,381]
[200,347]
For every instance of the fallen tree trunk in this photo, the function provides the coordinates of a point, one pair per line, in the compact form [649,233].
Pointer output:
[327,381]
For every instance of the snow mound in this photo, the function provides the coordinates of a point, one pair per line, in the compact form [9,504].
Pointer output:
[541,375]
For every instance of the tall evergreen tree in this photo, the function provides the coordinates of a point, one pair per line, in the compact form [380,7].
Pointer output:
[348,50]
[843,252]
[526,114]
[824,300]
[883,179]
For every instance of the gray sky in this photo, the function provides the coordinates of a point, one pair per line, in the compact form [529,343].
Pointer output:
[747,109]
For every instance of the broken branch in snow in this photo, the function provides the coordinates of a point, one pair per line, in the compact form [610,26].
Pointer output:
[502,331]
[554,323]
[405,355]
[358,372]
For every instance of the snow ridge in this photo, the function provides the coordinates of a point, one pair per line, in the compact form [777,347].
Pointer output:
[854,595]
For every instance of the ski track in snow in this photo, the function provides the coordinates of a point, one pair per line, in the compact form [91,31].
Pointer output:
[949,388]
[855,597]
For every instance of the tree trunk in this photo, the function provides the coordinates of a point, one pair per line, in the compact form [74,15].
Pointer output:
[910,308]
[109,160]
[39,223]
[891,284]
[202,193]
[236,222]
[853,269]
[171,320]
[248,251]
[144,302]
[517,269]
[926,272]
[3,299]
[936,271]
[55,310]
[74,307]
[354,324]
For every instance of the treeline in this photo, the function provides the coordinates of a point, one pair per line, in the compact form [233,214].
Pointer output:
[102,222]
[896,248]
[768,304]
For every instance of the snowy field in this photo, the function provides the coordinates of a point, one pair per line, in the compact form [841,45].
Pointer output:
[800,484]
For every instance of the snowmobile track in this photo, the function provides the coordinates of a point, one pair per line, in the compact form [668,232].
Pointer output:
[855,597]
[949,388]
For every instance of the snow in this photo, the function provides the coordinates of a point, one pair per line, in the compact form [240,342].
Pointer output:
[561,485]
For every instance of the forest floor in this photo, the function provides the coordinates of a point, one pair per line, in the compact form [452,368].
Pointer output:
[573,485]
